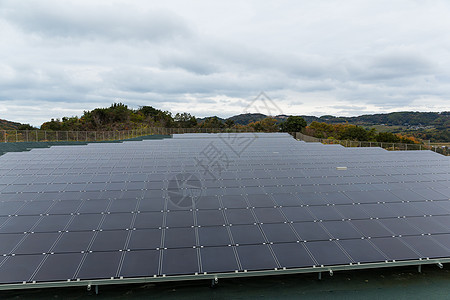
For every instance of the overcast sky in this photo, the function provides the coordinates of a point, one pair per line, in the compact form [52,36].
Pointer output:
[346,58]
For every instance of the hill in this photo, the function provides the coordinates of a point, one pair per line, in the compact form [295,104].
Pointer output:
[432,126]
[8,125]
[199,120]
[424,119]
[245,119]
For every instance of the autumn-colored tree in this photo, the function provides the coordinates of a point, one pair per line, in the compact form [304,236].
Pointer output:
[229,123]
[355,133]
[213,122]
[267,125]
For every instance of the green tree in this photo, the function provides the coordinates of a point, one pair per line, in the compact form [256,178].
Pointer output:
[229,123]
[185,120]
[321,129]
[26,127]
[52,125]
[387,137]
[212,122]
[293,124]
[352,132]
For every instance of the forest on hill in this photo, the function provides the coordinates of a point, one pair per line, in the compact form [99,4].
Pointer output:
[433,126]
[391,119]
[8,125]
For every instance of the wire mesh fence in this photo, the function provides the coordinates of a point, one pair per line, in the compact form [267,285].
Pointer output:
[442,149]
[14,136]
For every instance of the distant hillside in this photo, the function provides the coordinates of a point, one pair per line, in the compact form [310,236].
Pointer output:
[423,125]
[439,120]
[245,119]
[406,118]
[199,120]
[8,125]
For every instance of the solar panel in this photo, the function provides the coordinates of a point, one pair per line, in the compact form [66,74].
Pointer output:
[207,205]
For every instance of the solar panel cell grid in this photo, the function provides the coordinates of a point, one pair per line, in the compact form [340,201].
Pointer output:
[99,211]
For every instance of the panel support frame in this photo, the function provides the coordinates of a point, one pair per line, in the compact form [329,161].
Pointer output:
[215,276]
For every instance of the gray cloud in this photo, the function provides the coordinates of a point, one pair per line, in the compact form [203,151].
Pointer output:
[313,58]
[118,22]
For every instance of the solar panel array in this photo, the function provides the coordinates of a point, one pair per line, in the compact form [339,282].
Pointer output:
[216,203]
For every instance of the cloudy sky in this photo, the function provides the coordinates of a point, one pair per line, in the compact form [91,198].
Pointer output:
[59,58]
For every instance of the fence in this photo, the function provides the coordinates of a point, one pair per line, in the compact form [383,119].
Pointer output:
[388,146]
[9,136]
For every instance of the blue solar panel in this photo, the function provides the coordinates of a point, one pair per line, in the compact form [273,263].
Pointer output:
[216,203]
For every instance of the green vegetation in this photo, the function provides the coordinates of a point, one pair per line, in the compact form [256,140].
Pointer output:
[293,124]
[26,127]
[119,117]
[355,133]
[267,124]
[431,126]
[402,126]
[245,119]
[8,125]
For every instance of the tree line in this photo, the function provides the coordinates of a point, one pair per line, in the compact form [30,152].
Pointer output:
[120,117]
[356,133]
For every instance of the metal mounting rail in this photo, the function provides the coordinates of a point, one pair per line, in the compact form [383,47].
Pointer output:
[215,276]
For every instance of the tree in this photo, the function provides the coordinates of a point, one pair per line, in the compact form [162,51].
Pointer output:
[185,120]
[387,137]
[149,111]
[353,132]
[52,125]
[267,125]
[213,122]
[270,125]
[320,129]
[293,124]
[229,123]
[26,127]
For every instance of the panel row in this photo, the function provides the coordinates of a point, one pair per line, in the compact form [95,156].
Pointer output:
[145,235]
[236,209]
[182,261]
[307,195]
